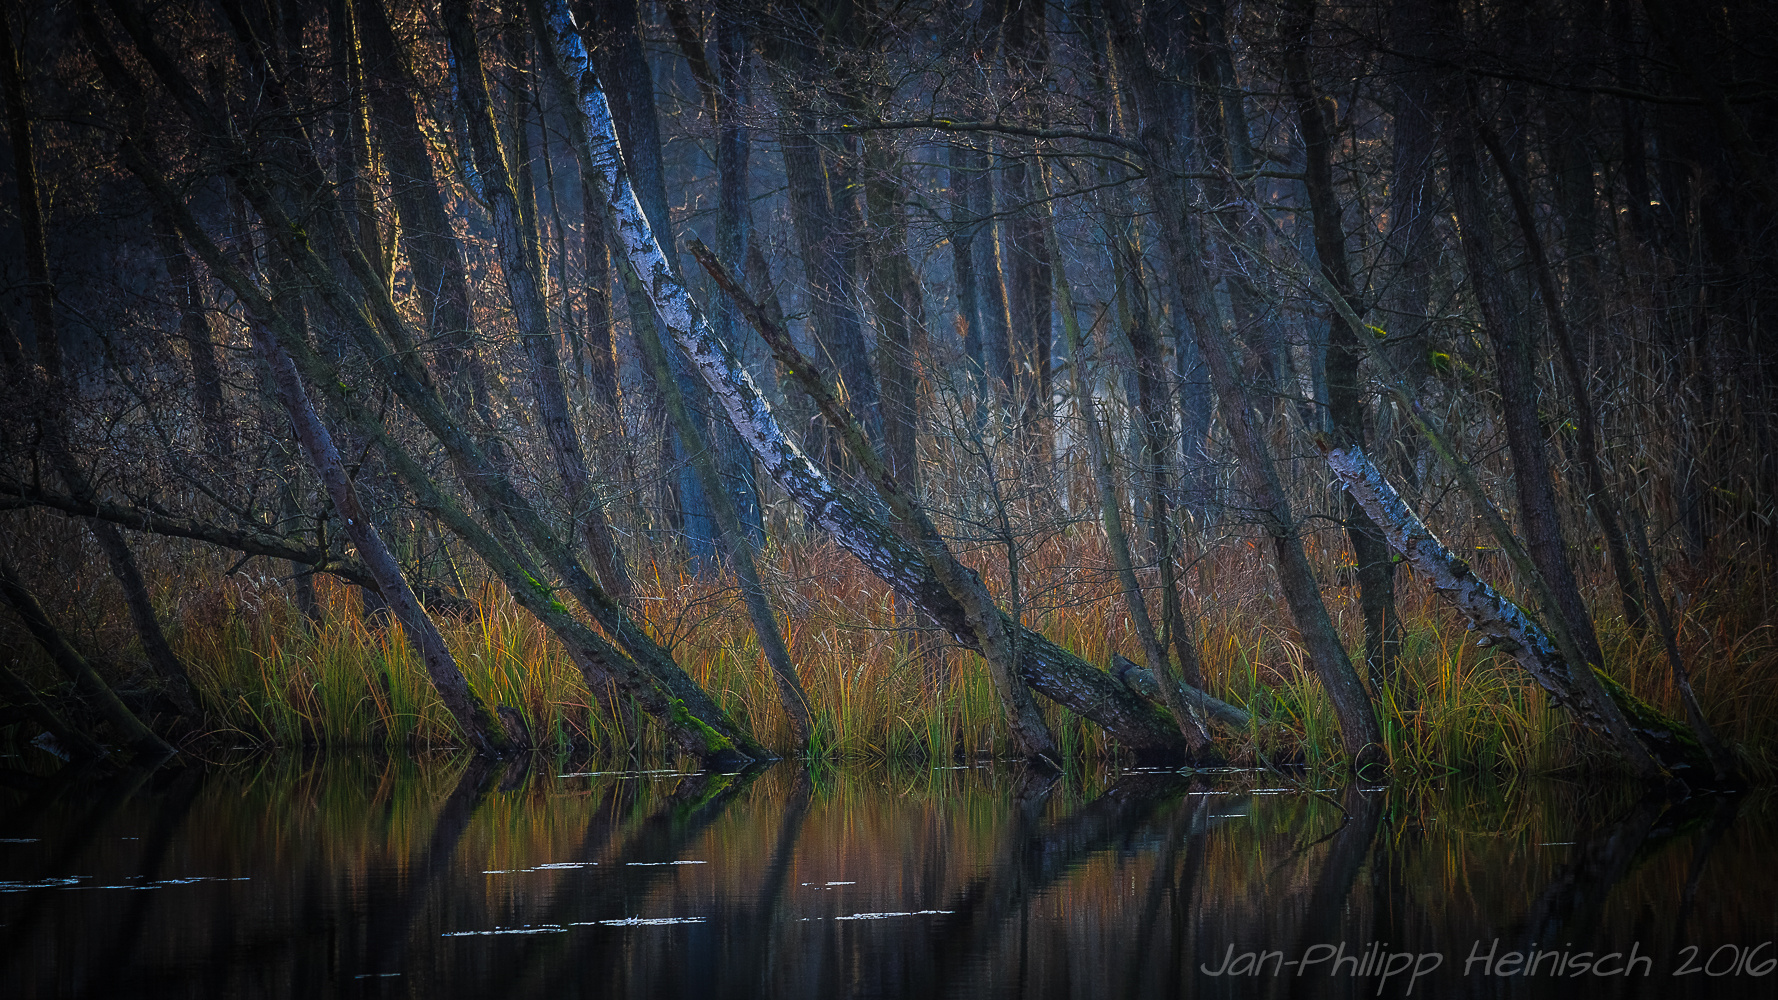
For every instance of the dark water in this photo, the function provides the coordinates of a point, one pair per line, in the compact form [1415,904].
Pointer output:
[447,878]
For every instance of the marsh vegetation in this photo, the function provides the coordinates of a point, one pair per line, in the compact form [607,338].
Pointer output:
[1380,385]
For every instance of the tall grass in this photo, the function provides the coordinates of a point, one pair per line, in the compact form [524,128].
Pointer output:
[881,691]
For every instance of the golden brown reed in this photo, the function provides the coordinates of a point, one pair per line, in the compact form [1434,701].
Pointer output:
[882,691]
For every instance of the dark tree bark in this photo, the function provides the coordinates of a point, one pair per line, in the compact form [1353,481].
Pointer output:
[1409,246]
[200,344]
[55,393]
[247,540]
[1026,51]
[1154,430]
[1513,357]
[353,155]
[141,740]
[734,233]
[1515,375]
[600,332]
[641,669]
[479,725]
[1587,436]
[1370,553]
[1159,110]
[964,230]
[832,285]
[901,316]
[441,284]
[991,275]
[1111,514]
[517,244]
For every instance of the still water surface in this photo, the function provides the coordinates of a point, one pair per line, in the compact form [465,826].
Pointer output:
[438,878]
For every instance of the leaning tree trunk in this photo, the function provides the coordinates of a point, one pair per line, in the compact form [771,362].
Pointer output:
[1596,702]
[737,541]
[440,278]
[1186,714]
[1161,113]
[619,56]
[1536,490]
[1515,370]
[1586,419]
[728,505]
[909,567]
[79,670]
[516,242]
[642,669]
[57,392]
[680,709]
[479,725]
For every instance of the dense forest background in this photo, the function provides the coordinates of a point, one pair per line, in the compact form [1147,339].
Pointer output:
[1203,379]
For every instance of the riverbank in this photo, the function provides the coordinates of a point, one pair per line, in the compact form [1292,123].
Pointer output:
[880,691]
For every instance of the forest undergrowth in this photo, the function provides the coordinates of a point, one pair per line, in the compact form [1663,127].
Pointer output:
[268,678]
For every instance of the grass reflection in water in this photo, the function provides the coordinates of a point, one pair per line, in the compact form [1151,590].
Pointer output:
[456,877]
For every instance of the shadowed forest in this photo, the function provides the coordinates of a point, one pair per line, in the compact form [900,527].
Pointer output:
[1380,385]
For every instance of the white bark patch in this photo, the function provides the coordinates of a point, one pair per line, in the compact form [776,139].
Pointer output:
[1502,624]
[856,527]
[728,380]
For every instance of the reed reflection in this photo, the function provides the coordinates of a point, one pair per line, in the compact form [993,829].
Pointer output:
[463,878]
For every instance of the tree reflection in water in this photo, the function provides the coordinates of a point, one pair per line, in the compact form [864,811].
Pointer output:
[440,878]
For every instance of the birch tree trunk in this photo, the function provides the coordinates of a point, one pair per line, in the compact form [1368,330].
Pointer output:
[737,541]
[1515,363]
[908,566]
[516,241]
[1595,701]
[617,51]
